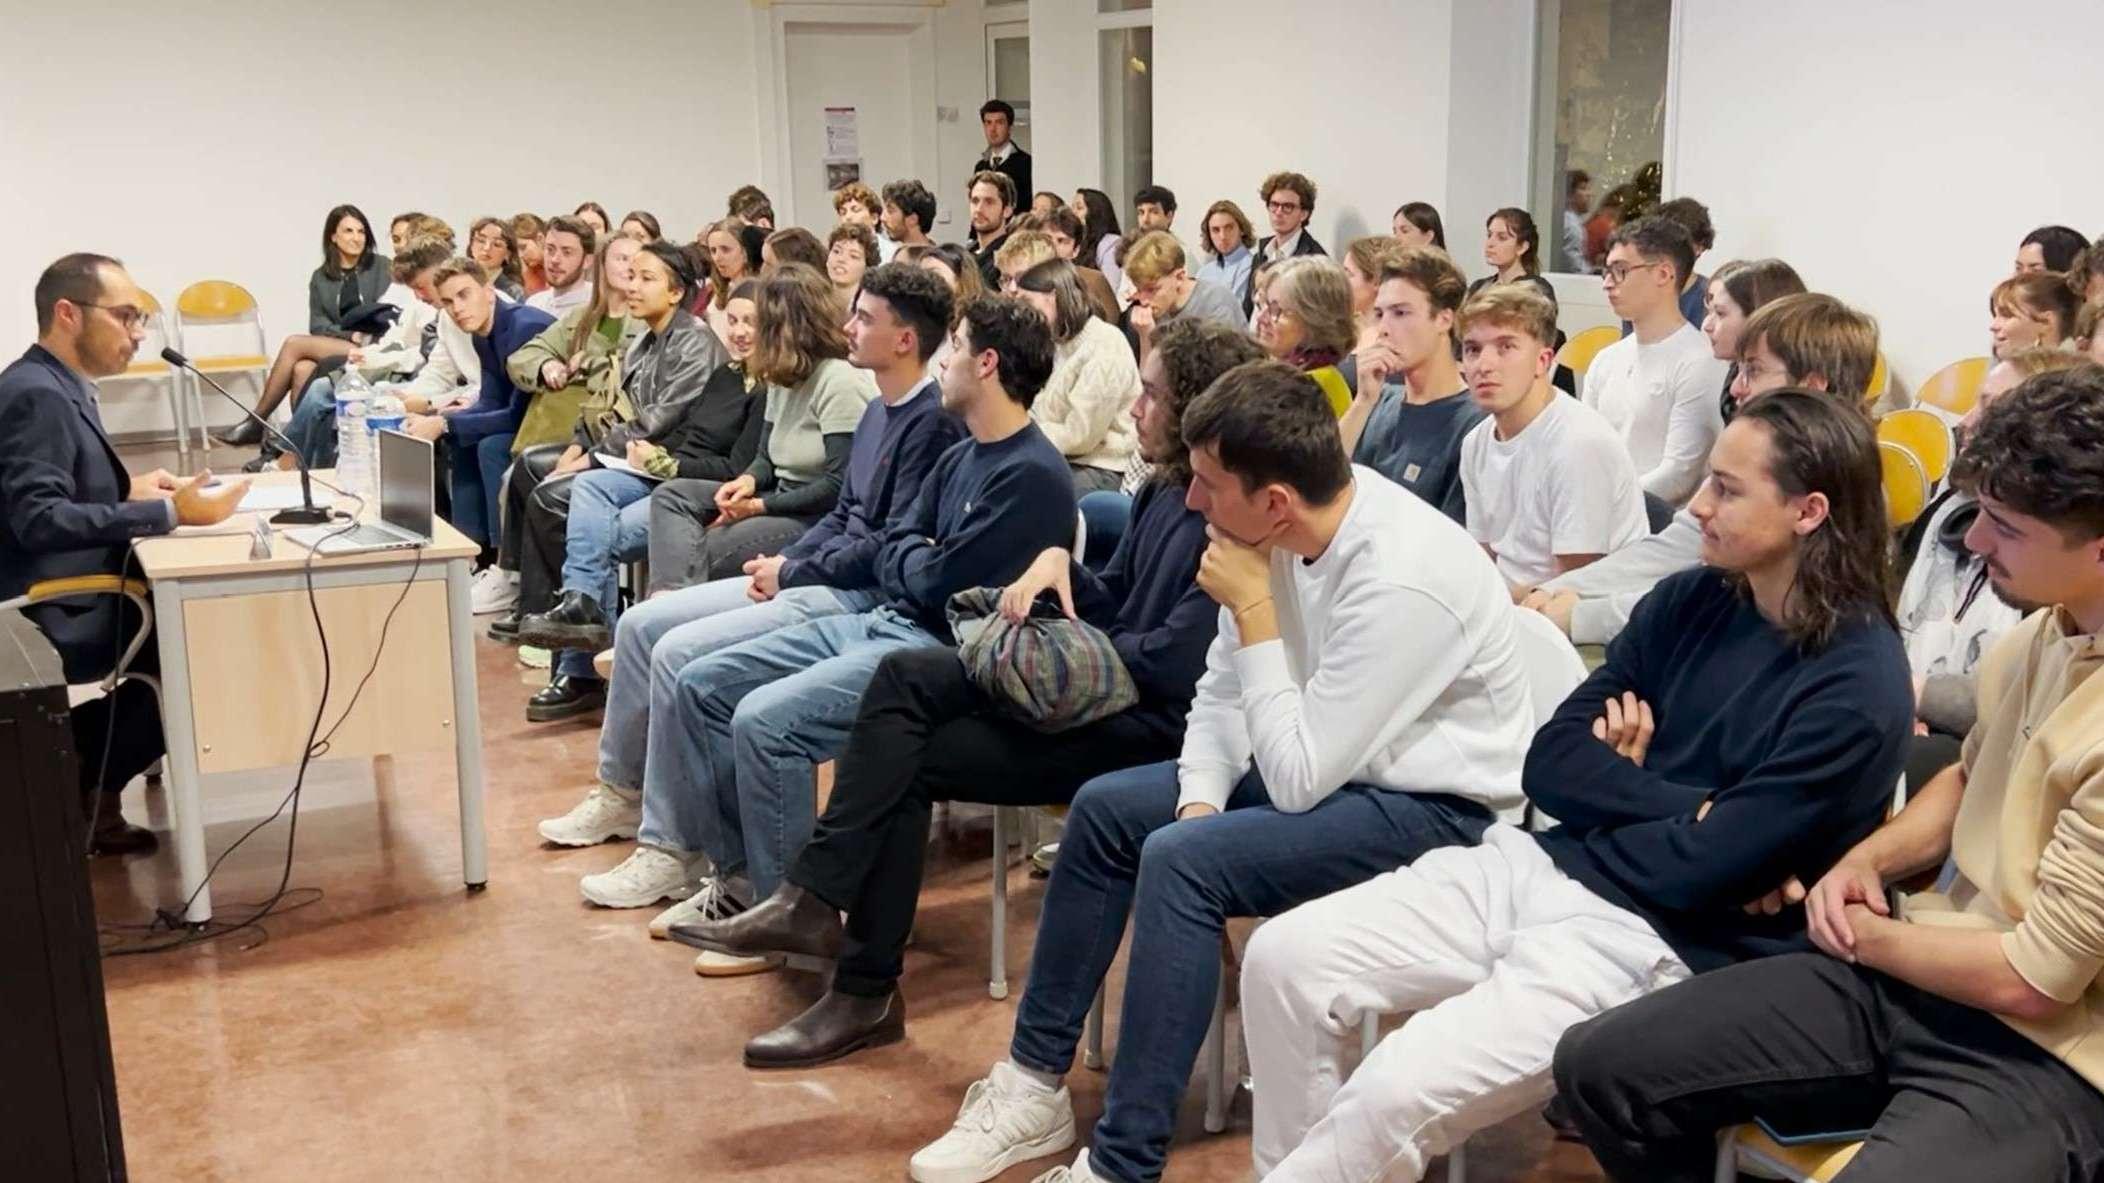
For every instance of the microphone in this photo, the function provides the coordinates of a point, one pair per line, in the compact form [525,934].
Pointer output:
[306,514]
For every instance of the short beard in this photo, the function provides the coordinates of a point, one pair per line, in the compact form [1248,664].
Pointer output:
[2024,606]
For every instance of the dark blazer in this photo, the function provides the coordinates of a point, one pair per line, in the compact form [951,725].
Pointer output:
[1016,168]
[1306,246]
[325,295]
[63,509]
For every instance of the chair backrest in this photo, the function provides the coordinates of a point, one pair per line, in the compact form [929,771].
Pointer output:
[1955,387]
[1579,352]
[1906,485]
[215,299]
[1923,433]
[1334,388]
[1880,378]
[1554,668]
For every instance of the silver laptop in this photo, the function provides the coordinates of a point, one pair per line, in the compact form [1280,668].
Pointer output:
[406,510]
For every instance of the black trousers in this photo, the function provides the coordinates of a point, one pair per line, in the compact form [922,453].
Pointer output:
[924,734]
[128,722]
[543,541]
[687,547]
[1947,1091]
[528,469]
[1928,755]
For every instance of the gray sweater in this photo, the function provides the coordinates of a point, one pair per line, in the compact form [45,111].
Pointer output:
[1609,588]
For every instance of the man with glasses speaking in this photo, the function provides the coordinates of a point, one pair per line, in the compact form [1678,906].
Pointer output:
[68,507]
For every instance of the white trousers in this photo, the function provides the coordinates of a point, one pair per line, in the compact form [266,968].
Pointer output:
[1497,950]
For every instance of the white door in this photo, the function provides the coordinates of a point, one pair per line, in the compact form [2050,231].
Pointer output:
[864,69]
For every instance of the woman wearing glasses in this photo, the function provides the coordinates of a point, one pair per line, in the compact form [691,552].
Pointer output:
[1304,318]
[341,295]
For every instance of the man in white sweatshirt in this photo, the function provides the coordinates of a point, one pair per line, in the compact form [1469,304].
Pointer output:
[1364,702]
[1809,340]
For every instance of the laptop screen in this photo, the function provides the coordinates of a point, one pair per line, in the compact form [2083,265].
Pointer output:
[405,483]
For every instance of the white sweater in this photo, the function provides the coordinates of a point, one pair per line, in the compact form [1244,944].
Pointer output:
[1663,399]
[1085,408]
[1397,666]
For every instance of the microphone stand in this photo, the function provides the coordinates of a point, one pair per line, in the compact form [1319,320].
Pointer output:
[306,513]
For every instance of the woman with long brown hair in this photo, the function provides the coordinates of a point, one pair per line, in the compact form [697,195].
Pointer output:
[729,262]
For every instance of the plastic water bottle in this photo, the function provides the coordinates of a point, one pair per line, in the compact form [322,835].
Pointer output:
[354,441]
[385,413]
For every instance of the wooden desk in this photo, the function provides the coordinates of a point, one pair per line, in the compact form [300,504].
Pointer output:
[241,666]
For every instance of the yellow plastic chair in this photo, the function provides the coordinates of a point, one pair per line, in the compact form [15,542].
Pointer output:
[1906,485]
[1880,379]
[1955,387]
[150,368]
[1334,388]
[1749,1147]
[211,302]
[1580,350]
[1923,433]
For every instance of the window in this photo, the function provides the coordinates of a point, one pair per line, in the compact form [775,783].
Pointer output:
[1126,55]
[1123,5]
[1600,109]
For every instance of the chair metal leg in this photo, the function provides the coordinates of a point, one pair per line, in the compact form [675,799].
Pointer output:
[1457,1164]
[1092,1035]
[1369,1034]
[178,399]
[1214,1055]
[1727,1155]
[997,976]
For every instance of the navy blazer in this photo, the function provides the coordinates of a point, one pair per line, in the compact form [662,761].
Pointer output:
[63,507]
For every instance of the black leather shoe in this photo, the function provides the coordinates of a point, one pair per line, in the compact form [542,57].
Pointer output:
[114,836]
[575,622]
[791,921]
[836,1025]
[505,628]
[566,697]
[245,434]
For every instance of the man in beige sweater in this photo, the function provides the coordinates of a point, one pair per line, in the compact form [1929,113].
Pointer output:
[1961,1035]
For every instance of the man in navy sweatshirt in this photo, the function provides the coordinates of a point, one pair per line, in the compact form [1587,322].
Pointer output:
[478,436]
[925,732]
[900,315]
[1748,725]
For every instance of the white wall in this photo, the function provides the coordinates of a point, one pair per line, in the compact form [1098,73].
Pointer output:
[1066,99]
[1893,153]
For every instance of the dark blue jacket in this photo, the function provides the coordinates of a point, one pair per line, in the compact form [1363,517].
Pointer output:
[63,509]
[894,450]
[1148,601]
[501,406]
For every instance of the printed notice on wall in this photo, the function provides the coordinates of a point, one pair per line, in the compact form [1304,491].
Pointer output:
[843,139]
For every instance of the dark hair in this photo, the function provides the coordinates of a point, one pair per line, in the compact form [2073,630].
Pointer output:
[1425,217]
[595,207]
[2040,449]
[1271,424]
[2037,294]
[1057,200]
[1817,443]
[1004,186]
[1194,353]
[512,268]
[1292,182]
[971,282]
[1521,223]
[1658,238]
[329,265]
[1752,283]
[799,320]
[1814,333]
[650,223]
[587,235]
[749,202]
[1101,222]
[862,236]
[678,263]
[1429,271]
[1018,335]
[1694,217]
[997,107]
[76,279]
[1064,221]
[1574,180]
[918,299]
[1155,195]
[2059,244]
[1070,302]
[419,255]
[913,200]
[798,245]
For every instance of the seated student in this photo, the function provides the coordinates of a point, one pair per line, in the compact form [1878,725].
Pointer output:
[2085,276]
[1154,208]
[702,530]
[1810,340]
[1413,435]
[1738,290]
[478,436]
[1417,223]
[1362,264]
[593,214]
[851,250]
[1164,290]
[1740,731]
[351,278]
[1044,201]
[1085,408]
[2029,309]
[1304,318]
[925,732]
[1962,1032]
[2049,248]
[568,247]
[1053,236]
[1307,766]
[2089,340]
[643,226]
[750,204]
[829,570]
[747,724]
[794,245]
[1694,217]
[908,214]
[729,262]
[490,243]
[1226,249]
[1658,385]
[990,197]
[527,229]
[1512,247]
[683,407]
[856,204]
[1548,486]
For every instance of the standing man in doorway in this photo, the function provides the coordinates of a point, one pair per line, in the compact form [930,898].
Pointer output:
[1003,155]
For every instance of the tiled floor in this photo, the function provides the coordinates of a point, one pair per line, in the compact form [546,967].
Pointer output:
[400,1028]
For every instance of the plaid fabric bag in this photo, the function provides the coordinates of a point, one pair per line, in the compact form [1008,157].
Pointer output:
[1051,672]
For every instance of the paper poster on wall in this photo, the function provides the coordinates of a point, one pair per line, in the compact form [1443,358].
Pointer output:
[843,138]
[842,172]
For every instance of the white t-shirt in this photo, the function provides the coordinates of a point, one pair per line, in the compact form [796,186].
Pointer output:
[1562,486]
[1664,401]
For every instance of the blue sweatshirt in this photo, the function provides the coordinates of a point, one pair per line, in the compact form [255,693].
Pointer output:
[1148,600]
[984,512]
[501,406]
[1796,753]
[893,451]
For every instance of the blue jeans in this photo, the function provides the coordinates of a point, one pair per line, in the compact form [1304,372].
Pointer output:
[608,523]
[478,479]
[1107,512]
[313,426]
[1124,852]
[751,725]
[657,639]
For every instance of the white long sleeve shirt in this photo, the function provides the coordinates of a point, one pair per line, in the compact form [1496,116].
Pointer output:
[1397,666]
[399,351]
[454,372]
[1664,400]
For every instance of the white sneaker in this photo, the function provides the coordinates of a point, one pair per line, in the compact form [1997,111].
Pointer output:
[533,657]
[1078,1173]
[494,590]
[711,964]
[646,876]
[1005,1119]
[710,901]
[603,664]
[605,813]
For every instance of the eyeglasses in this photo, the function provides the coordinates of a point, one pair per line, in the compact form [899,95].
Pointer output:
[124,314]
[1272,310]
[1619,273]
[1283,207]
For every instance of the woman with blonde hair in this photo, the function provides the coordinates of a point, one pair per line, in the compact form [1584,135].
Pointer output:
[702,530]
[1305,319]
[1085,408]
